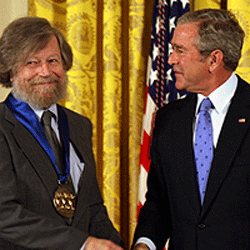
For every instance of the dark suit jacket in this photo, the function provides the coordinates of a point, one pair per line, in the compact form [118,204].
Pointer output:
[28,219]
[172,207]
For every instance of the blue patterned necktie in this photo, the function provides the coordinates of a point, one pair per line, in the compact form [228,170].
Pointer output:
[203,147]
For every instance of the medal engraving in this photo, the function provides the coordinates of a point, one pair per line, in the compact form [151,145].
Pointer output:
[64,202]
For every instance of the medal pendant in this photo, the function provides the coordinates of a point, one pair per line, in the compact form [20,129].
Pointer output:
[64,201]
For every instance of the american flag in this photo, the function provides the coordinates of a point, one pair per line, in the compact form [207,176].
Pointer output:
[160,85]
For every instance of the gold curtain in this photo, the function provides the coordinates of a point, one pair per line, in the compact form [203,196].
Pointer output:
[202,4]
[110,41]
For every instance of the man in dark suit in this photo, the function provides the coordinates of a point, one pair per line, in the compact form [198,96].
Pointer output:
[49,196]
[198,195]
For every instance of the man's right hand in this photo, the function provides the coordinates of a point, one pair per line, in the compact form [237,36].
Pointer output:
[93,243]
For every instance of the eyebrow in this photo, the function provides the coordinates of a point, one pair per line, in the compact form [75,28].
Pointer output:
[55,55]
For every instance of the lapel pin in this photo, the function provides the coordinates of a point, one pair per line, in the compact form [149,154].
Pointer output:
[242,120]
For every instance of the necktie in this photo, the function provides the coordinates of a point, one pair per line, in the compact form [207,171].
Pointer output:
[55,145]
[51,137]
[203,147]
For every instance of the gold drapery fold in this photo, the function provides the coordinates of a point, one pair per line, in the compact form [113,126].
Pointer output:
[140,23]
[112,106]
[203,4]
[110,41]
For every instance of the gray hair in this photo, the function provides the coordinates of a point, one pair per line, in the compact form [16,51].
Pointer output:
[218,30]
[24,37]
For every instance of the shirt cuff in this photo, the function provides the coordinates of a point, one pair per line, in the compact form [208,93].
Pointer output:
[83,246]
[146,241]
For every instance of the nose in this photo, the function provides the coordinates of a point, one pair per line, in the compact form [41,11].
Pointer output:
[44,70]
[172,59]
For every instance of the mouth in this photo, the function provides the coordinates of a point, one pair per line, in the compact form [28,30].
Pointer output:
[175,69]
[177,72]
[43,83]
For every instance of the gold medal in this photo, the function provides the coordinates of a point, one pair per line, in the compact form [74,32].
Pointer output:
[65,201]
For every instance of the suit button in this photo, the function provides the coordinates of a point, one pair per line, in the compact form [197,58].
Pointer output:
[202,226]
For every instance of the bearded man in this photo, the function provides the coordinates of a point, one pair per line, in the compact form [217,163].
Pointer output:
[50,197]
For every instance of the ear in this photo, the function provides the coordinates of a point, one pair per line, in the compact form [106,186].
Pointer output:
[215,60]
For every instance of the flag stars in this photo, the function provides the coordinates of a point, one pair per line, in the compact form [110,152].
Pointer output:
[170,48]
[169,76]
[155,52]
[172,24]
[157,25]
[185,3]
[172,2]
[153,76]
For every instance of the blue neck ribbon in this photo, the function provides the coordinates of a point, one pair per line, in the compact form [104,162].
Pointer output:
[28,118]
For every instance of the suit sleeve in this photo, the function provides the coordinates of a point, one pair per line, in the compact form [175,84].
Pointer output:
[154,220]
[100,225]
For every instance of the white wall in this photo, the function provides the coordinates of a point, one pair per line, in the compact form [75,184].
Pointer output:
[10,10]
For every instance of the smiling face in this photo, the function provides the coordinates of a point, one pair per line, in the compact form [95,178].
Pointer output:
[41,80]
[191,69]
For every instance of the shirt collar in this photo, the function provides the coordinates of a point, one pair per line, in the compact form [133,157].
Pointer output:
[39,112]
[222,96]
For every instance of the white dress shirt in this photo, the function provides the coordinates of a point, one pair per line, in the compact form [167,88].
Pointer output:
[221,99]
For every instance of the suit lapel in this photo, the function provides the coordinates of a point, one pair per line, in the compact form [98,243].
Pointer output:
[183,148]
[84,149]
[35,154]
[231,136]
